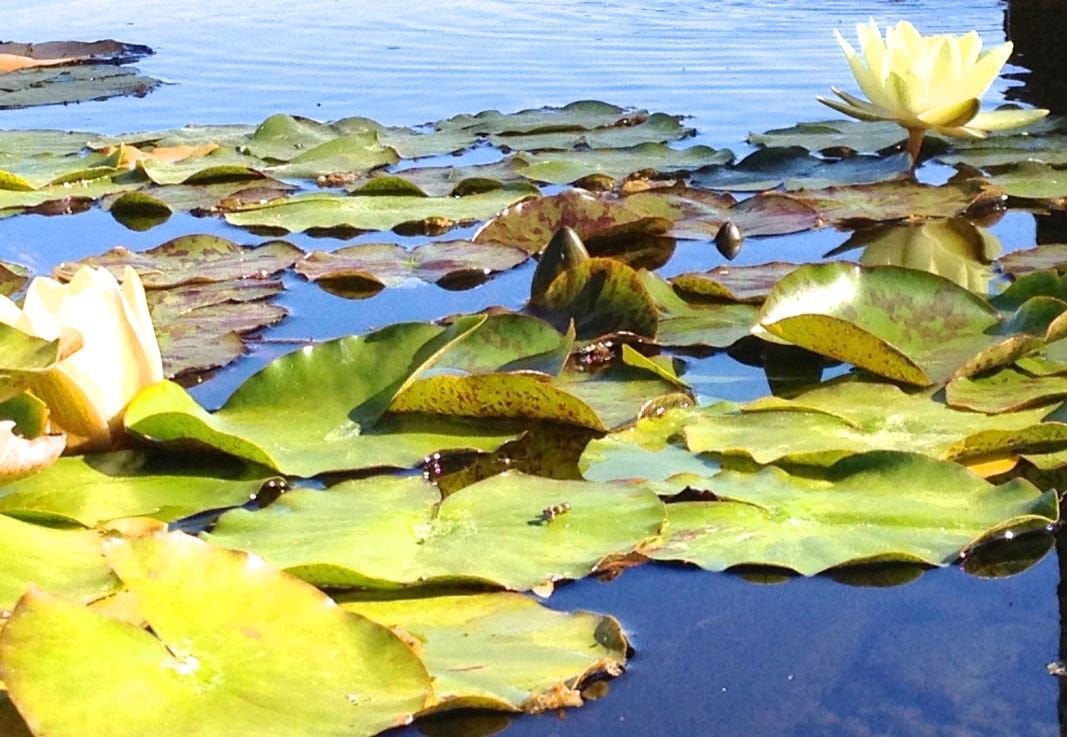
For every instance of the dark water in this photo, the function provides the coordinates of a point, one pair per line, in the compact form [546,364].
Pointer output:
[948,654]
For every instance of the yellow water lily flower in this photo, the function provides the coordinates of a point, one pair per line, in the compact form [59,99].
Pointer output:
[926,83]
[116,351]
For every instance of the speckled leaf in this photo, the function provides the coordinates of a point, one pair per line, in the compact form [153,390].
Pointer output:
[531,225]
[389,531]
[93,490]
[349,381]
[896,200]
[734,283]
[67,561]
[575,116]
[523,396]
[842,418]
[879,318]
[1006,390]
[875,507]
[618,394]
[230,642]
[200,326]
[600,296]
[635,130]
[326,212]
[392,264]
[503,650]
[1051,256]
[561,167]
[192,259]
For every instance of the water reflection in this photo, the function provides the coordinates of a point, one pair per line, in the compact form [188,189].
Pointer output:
[955,248]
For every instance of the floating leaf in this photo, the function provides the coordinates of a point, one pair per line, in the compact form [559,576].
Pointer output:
[1050,256]
[525,396]
[69,562]
[60,85]
[869,508]
[530,225]
[348,381]
[796,169]
[1006,390]
[734,283]
[192,259]
[843,418]
[389,531]
[682,324]
[355,152]
[905,325]
[1031,180]
[325,212]
[502,650]
[139,211]
[95,489]
[232,642]
[561,167]
[835,135]
[392,264]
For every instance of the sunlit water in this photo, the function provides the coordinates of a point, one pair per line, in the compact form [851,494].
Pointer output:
[947,655]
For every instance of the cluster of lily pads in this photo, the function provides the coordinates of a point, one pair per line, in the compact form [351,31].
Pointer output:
[563,437]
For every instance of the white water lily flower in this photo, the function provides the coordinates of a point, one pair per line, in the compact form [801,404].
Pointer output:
[87,392]
[926,83]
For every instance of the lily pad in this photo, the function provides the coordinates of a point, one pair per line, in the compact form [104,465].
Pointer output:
[61,85]
[193,259]
[1006,390]
[348,381]
[906,325]
[734,283]
[392,264]
[835,135]
[388,532]
[503,650]
[69,562]
[561,167]
[95,489]
[1050,256]
[331,212]
[232,642]
[796,169]
[869,508]
[525,396]
[683,324]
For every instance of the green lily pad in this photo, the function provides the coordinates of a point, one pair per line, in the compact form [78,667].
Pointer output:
[525,396]
[575,116]
[561,167]
[392,264]
[504,650]
[626,132]
[906,325]
[869,508]
[193,259]
[139,211]
[349,382]
[69,562]
[331,212]
[1031,180]
[232,642]
[95,489]
[843,418]
[797,169]
[866,136]
[23,356]
[894,200]
[355,152]
[510,341]
[67,84]
[387,532]
[683,324]
[620,394]
[13,277]
[734,283]
[1006,390]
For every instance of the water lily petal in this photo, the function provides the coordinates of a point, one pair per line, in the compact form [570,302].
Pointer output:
[996,120]
[952,116]
[866,111]
[978,77]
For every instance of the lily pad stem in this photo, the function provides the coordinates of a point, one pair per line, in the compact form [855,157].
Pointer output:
[915,142]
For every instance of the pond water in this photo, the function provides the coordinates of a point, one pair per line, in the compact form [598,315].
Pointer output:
[948,654]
